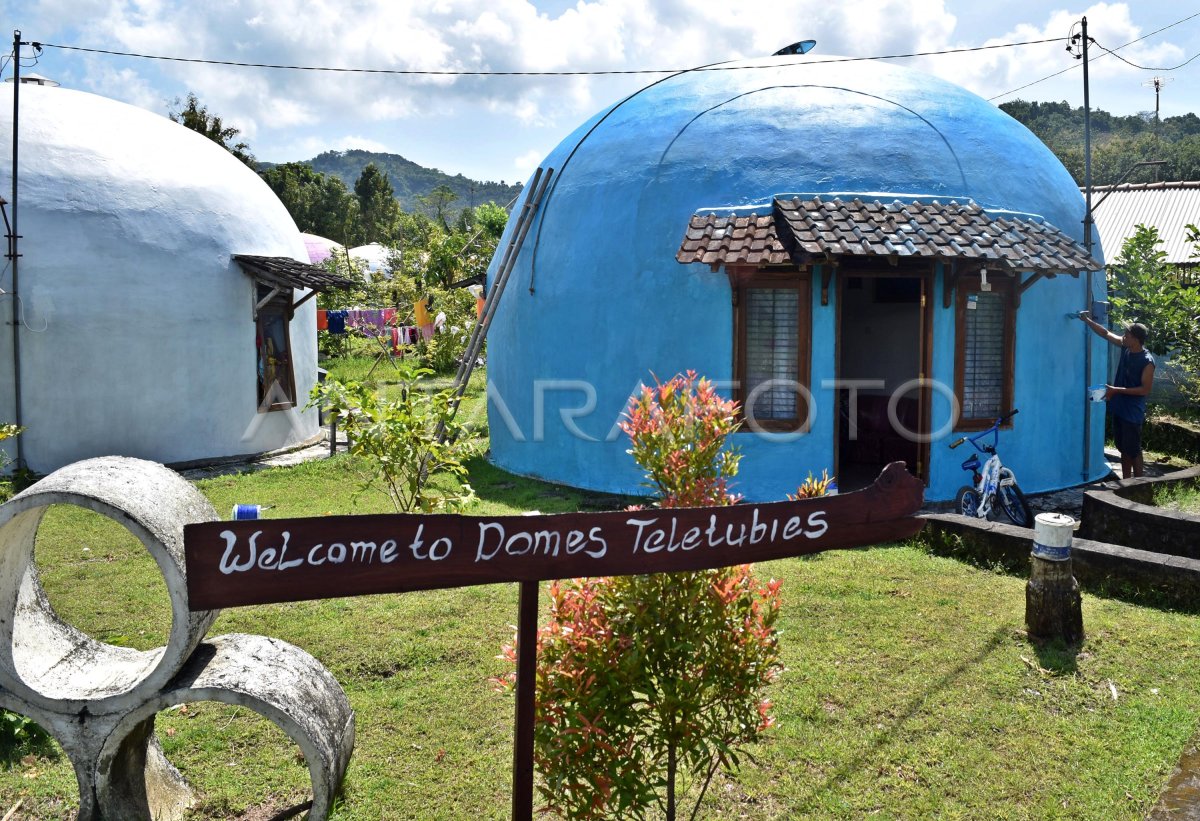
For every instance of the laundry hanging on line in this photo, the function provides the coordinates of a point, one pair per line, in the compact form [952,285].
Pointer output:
[336,321]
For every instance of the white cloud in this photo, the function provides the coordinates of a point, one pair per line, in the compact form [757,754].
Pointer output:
[1109,25]
[484,35]
[277,110]
[121,84]
[526,163]
[308,147]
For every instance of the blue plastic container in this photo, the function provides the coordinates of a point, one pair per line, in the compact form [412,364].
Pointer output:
[245,512]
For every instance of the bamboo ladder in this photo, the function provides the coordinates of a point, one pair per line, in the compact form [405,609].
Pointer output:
[537,189]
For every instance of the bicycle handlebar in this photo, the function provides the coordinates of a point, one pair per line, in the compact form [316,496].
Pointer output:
[994,429]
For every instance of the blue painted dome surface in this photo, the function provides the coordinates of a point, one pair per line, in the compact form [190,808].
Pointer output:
[610,306]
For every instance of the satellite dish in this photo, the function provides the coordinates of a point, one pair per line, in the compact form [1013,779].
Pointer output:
[803,47]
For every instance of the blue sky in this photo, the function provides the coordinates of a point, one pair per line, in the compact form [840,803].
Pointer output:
[497,128]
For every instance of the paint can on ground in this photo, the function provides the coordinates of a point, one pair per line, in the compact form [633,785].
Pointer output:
[1052,534]
[1096,392]
[246,512]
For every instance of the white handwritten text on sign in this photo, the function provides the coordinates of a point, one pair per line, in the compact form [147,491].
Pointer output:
[254,562]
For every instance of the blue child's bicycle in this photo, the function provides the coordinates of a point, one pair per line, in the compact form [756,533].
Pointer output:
[992,481]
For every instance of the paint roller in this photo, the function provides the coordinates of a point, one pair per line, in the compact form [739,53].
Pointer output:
[1099,312]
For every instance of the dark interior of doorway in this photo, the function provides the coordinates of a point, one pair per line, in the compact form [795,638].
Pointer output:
[881,342]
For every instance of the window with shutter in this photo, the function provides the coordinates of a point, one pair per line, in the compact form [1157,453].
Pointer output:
[984,352]
[773,351]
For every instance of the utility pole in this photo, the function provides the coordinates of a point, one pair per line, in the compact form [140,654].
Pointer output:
[13,254]
[1082,39]
[1157,83]
[1087,138]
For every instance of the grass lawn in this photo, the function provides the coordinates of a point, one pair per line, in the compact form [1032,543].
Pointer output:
[1182,498]
[910,690]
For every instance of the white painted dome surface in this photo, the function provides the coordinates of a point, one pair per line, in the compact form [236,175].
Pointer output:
[139,334]
[374,256]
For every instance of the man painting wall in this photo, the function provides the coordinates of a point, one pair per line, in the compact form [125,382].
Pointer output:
[1126,397]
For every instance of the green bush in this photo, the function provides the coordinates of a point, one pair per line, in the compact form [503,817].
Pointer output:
[1144,288]
[398,441]
[7,485]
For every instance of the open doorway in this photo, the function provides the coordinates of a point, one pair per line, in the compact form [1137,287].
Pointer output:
[882,352]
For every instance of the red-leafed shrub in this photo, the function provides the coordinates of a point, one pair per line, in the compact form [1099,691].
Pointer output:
[646,685]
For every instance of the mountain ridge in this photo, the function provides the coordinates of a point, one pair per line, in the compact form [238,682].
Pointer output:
[409,180]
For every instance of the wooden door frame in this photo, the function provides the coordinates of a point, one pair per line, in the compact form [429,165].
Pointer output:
[926,273]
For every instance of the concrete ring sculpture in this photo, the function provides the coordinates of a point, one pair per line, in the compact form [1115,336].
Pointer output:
[50,663]
[100,701]
[79,743]
[275,679]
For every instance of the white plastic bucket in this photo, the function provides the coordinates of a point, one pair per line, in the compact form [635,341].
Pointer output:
[1052,536]
[1096,392]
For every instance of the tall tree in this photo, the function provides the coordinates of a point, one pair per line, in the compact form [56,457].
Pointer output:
[319,203]
[1118,142]
[377,206]
[438,201]
[198,118]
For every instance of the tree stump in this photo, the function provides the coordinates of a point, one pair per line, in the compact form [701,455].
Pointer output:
[1053,604]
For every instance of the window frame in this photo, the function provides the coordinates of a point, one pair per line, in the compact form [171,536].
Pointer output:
[743,280]
[968,286]
[281,305]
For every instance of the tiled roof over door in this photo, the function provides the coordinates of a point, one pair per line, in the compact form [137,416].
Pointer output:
[811,230]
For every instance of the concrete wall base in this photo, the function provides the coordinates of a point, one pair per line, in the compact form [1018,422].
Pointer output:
[1110,569]
[1126,515]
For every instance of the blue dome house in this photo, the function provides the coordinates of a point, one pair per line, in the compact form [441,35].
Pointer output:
[871,260]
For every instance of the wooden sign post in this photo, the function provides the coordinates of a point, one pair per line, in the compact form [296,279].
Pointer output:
[278,560]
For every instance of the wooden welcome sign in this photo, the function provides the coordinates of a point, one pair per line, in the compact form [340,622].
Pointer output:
[278,560]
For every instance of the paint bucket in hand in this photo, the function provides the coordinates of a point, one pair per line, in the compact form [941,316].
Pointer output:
[245,512]
[1096,392]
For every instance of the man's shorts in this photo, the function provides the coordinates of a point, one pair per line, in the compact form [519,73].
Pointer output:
[1128,436]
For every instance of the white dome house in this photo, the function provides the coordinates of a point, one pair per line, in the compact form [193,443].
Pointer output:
[161,293]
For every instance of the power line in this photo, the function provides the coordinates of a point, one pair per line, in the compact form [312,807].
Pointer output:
[468,73]
[1147,68]
[1035,82]
[1118,48]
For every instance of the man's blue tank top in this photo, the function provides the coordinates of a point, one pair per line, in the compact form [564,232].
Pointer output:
[1129,375]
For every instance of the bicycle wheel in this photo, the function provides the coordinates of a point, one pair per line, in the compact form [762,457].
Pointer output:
[967,502]
[1012,500]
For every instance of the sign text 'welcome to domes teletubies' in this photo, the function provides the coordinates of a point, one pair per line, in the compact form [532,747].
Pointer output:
[260,561]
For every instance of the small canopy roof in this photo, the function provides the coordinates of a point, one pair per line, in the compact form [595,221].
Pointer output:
[285,272]
[805,230]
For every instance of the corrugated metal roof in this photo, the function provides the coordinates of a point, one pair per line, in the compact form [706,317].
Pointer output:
[802,230]
[1167,206]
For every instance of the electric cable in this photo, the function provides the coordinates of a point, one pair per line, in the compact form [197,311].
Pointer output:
[20,301]
[469,73]
[1145,68]
[1118,48]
